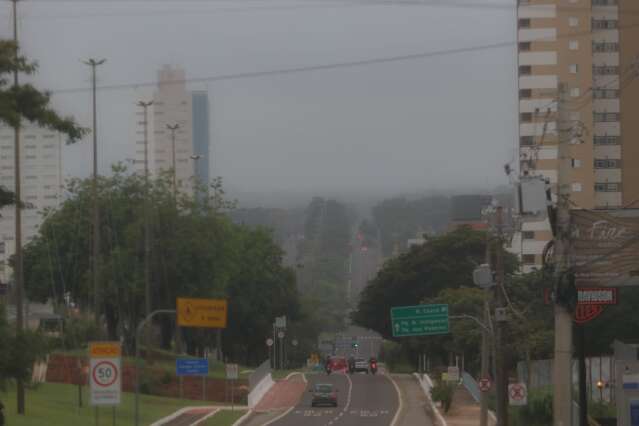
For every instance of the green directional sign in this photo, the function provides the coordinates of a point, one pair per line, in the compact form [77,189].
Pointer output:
[420,320]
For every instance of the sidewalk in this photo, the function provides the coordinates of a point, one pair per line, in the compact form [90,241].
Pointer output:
[283,394]
[464,411]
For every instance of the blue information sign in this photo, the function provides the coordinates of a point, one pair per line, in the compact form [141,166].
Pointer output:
[191,366]
[634,413]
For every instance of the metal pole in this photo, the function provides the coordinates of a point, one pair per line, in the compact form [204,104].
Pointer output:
[18,221]
[93,63]
[137,358]
[562,366]
[500,376]
[113,417]
[173,128]
[483,401]
[147,227]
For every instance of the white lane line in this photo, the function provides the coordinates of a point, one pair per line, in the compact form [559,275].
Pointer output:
[399,397]
[284,414]
[350,390]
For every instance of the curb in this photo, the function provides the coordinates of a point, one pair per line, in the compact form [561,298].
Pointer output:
[400,407]
[439,416]
[239,421]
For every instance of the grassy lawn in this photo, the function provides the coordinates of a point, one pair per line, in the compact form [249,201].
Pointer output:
[225,418]
[55,404]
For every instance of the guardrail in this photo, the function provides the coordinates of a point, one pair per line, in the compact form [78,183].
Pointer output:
[471,386]
[260,372]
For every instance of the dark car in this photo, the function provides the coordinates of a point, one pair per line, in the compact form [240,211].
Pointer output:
[324,394]
[358,365]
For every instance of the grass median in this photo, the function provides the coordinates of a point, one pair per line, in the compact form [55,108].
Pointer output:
[55,404]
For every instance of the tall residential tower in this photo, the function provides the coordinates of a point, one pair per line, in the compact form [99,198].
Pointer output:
[578,72]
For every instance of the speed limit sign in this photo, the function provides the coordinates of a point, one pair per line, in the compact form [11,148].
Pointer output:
[105,375]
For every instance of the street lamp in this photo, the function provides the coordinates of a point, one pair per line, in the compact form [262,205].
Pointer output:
[147,227]
[173,129]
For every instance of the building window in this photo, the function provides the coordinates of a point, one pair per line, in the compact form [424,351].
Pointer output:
[31,177]
[604,2]
[575,163]
[573,45]
[525,70]
[528,259]
[525,46]
[524,23]
[30,136]
[576,187]
[603,47]
[30,146]
[607,164]
[573,21]
[30,157]
[607,140]
[607,187]
[528,235]
[605,70]
[605,93]
[525,93]
[604,24]
[525,117]
[606,117]
[573,68]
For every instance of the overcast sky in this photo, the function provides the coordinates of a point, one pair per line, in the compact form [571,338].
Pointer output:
[422,123]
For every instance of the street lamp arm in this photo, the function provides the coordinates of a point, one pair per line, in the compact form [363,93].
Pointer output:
[473,318]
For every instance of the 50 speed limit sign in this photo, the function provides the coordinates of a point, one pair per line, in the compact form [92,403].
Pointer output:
[105,375]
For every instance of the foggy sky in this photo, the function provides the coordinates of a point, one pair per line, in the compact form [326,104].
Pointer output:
[431,123]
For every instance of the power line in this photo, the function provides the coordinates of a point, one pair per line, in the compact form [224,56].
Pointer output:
[330,66]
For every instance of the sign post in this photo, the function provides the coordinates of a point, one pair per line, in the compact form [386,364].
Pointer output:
[485,384]
[105,375]
[517,394]
[420,320]
[232,374]
[208,313]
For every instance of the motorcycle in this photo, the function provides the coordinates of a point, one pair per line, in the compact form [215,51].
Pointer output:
[328,369]
[373,367]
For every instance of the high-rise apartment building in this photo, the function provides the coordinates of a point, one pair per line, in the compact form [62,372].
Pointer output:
[578,84]
[174,104]
[41,170]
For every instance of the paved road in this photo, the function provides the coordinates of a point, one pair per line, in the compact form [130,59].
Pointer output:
[363,399]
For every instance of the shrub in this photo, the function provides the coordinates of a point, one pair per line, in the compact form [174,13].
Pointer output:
[443,392]
[539,408]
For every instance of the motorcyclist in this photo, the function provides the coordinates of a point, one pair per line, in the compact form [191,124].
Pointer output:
[372,365]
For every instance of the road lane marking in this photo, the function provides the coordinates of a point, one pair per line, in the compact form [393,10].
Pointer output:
[284,414]
[399,398]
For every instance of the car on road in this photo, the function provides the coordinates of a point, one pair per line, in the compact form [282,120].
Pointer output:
[359,365]
[323,394]
[338,363]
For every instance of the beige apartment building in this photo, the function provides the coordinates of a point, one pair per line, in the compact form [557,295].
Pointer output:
[579,85]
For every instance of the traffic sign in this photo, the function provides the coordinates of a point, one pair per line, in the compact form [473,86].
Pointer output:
[232,371]
[210,313]
[420,320]
[485,384]
[453,374]
[269,342]
[191,367]
[517,394]
[105,375]
[280,334]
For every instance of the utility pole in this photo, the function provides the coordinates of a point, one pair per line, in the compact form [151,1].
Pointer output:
[173,129]
[562,366]
[485,350]
[147,225]
[18,271]
[93,63]
[501,380]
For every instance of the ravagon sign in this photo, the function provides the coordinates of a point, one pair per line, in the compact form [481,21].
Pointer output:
[604,247]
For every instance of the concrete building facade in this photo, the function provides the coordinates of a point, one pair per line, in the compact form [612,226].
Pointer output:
[41,167]
[174,104]
[578,72]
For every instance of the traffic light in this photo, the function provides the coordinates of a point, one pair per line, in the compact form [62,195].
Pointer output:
[355,345]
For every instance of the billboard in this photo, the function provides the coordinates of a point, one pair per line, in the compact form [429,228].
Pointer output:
[604,247]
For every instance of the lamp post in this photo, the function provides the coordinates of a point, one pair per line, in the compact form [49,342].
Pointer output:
[94,63]
[147,227]
[173,128]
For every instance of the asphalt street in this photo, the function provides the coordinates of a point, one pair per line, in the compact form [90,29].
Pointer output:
[363,399]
